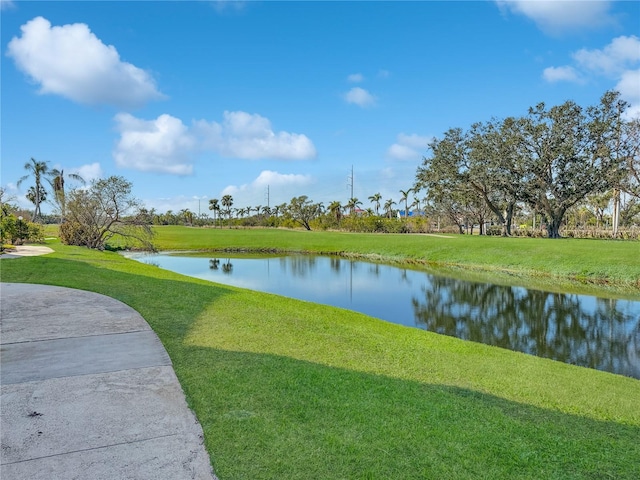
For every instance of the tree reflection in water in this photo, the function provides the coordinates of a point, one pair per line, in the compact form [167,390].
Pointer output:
[214,264]
[545,324]
[299,265]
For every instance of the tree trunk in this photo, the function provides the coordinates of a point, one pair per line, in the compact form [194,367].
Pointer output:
[510,209]
[616,212]
[553,227]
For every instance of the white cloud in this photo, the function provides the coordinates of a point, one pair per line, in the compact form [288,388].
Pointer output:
[384,74]
[269,178]
[355,78]
[408,147]
[629,88]
[622,53]
[165,144]
[555,17]
[89,172]
[619,60]
[229,5]
[7,4]
[557,74]
[247,136]
[160,145]
[360,97]
[629,85]
[71,61]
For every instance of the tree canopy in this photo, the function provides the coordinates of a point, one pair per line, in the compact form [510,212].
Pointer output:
[548,160]
[105,210]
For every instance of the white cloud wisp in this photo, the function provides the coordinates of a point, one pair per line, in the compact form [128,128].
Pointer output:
[408,147]
[361,97]
[619,61]
[269,178]
[556,17]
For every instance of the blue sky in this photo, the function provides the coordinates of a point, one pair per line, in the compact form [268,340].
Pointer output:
[195,100]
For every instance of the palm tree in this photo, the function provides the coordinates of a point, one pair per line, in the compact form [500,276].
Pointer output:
[336,209]
[404,197]
[375,199]
[187,216]
[279,210]
[416,204]
[57,182]
[352,204]
[214,204]
[39,170]
[227,201]
[31,194]
[388,207]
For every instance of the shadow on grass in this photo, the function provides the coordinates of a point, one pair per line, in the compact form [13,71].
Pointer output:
[268,416]
[286,418]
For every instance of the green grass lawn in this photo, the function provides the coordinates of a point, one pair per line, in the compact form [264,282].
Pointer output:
[586,266]
[286,389]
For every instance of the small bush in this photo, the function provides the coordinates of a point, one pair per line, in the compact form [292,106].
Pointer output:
[73,233]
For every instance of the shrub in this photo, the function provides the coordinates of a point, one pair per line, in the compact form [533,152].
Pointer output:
[17,231]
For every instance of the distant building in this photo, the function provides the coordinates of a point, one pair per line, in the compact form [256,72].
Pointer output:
[412,213]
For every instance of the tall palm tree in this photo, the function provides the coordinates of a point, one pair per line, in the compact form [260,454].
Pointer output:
[57,182]
[416,204]
[39,170]
[388,207]
[375,199]
[352,204]
[403,198]
[227,201]
[336,209]
[214,204]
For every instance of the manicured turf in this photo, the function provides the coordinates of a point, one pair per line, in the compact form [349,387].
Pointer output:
[286,389]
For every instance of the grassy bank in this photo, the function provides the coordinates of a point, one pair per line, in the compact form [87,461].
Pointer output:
[592,266]
[288,389]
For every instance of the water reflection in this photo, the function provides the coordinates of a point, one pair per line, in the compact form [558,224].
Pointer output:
[227,267]
[582,330]
[551,325]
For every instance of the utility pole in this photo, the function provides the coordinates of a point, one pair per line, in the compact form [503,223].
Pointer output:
[267,195]
[350,184]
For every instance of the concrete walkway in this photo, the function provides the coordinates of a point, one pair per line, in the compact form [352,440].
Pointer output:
[88,392]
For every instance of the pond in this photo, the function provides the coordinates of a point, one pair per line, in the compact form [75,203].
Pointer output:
[582,330]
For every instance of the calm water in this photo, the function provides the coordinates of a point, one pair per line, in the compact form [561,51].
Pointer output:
[577,329]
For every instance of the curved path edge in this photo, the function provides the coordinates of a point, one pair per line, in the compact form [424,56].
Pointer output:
[88,391]
[26,251]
